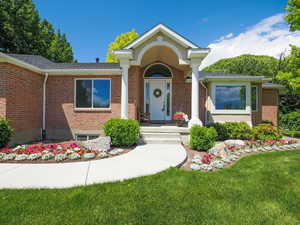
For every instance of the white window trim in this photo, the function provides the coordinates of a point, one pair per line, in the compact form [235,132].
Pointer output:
[247,110]
[92,108]
[257,94]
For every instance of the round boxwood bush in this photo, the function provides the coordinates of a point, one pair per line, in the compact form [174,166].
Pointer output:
[238,130]
[290,121]
[5,132]
[123,132]
[266,132]
[202,138]
[221,131]
[232,130]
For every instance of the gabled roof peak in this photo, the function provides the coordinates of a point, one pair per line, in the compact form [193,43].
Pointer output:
[167,31]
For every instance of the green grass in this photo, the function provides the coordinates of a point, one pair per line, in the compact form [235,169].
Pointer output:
[259,189]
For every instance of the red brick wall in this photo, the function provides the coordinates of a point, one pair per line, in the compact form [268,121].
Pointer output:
[23,101]
[60,108]
[3,88]
[270,105]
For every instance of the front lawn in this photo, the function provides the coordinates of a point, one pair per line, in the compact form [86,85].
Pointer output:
[258,189]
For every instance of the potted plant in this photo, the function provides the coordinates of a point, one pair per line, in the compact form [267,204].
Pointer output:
[181,118]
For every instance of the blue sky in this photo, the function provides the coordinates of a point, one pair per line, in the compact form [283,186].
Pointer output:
[92,24]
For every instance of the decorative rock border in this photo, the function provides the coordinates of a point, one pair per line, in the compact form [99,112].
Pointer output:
[51,153]
[211,162]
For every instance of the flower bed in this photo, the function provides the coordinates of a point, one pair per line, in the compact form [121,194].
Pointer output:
[43,152]
[210,162]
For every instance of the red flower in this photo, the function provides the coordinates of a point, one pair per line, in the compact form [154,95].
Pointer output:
[207,158]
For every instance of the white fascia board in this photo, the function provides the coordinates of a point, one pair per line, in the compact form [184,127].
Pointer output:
[273,86]
[234,78]
[84,71]
[198,52]
[165,30]
[123,54]
[17,62]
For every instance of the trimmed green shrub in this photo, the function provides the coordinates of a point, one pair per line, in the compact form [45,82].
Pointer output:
[292,133]
[266,132]
[5,132]
[202,138]
[233,130]
[290,121]
[239,130]
[221,131]
[123,132]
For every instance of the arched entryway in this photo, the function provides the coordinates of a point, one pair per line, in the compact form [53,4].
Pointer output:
[158,92]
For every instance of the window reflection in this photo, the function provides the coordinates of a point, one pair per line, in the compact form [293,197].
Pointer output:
[230,97]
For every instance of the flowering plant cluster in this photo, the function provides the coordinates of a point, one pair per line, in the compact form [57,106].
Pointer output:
[232,153]
[180,116]
[58,152]
[261,144]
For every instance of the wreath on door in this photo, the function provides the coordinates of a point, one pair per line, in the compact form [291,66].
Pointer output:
[157,93]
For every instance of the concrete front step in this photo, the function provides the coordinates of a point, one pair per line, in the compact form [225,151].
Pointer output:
[160,138]
[160,135]
[164,129]
[156,140]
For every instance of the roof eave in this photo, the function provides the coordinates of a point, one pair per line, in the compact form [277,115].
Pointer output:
[233,78]
[83,71]
[17,62]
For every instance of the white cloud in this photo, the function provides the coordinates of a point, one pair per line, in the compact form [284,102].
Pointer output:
[270,36]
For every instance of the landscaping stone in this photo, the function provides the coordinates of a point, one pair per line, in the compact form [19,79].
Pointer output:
[234,142]
[195,166]
[100,143]
[114,152]
[90,155]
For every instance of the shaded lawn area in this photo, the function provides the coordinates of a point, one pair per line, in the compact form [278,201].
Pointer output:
[259,189]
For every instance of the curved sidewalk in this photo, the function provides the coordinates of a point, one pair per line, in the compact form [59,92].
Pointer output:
[143,160]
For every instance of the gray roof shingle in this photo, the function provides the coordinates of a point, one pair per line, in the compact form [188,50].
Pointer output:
[43,63]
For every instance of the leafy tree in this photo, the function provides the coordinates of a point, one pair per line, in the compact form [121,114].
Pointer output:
[120,42]
[246,65]
[22,32]
[19,26]
[290,76]
[293,16]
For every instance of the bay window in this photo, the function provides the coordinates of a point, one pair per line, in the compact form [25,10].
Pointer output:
[93,93]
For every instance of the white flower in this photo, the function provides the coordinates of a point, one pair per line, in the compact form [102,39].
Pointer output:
[186,117]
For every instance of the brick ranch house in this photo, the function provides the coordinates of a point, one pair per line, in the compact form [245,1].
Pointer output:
[158,73]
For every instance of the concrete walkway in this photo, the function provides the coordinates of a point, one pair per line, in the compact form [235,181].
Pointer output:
[143,160]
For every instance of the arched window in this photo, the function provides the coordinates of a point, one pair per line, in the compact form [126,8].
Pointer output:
[158,71]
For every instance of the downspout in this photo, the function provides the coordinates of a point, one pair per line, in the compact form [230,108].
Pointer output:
[206,91]
[44,107]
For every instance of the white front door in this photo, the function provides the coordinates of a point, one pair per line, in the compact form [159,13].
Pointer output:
[157,99]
